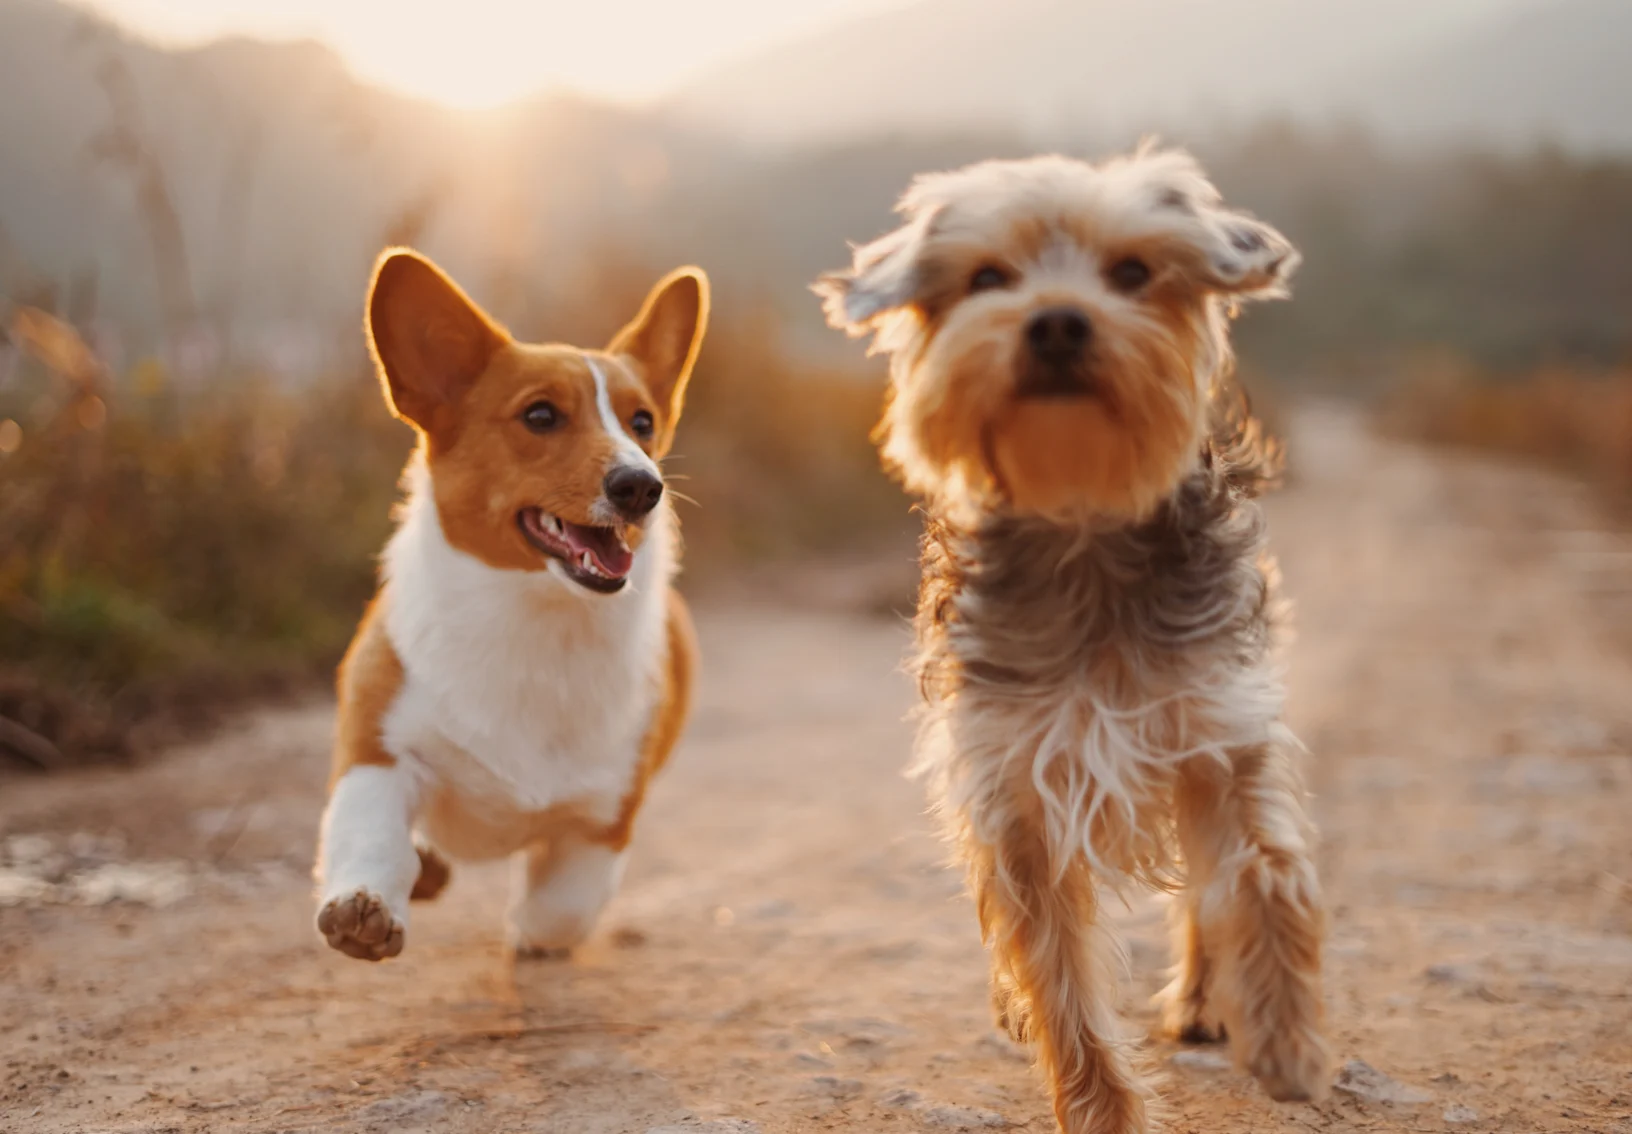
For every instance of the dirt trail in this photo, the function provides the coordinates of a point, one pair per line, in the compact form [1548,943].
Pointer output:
[789,954]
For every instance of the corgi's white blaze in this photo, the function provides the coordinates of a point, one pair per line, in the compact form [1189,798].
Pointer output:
[365,842]
[521,690]
[629,453]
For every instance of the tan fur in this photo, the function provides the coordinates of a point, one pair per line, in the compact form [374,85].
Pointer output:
[430,341]
[662,358]
[369,679]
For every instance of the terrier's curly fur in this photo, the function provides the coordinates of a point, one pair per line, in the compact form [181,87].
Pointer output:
[1098,613]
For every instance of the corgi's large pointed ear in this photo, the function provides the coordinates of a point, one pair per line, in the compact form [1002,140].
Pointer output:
[430,339]
[665,337]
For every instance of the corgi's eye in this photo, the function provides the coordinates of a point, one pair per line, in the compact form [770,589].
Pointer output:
[988,278]
[541,417]
[642,424]
[1129,275]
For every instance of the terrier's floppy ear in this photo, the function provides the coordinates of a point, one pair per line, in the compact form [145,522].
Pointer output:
[883,277]
[666,337]
[430,339]
[1244,257]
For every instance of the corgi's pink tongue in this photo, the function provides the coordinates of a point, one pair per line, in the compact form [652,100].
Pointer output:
[603,545]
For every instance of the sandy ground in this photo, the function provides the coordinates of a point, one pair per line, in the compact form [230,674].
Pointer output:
[789,952]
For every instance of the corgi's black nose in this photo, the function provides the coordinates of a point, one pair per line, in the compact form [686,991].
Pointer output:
[634,492]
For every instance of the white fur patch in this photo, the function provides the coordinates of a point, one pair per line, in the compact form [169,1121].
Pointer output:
[367,842]
[522,690]
[629,453]
[558,902]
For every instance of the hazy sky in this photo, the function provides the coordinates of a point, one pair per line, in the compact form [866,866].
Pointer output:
[482,52]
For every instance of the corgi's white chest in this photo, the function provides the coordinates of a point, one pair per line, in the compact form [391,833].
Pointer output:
[522,691]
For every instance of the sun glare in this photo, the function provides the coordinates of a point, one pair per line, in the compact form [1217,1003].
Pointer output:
[457,72]
[484,53]
[500,53]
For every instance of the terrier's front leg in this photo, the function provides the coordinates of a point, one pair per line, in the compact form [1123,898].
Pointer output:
[1053,980]
[1264,907]
[367,863]
[560,889]
[1200,795]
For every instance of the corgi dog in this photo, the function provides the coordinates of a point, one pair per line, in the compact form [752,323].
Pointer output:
[526,666]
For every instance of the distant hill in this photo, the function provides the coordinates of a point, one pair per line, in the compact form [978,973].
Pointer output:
[1497,71]
[248,135]
[287,174]
[1561,73]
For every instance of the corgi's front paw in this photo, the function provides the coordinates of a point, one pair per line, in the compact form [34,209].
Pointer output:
[361,925]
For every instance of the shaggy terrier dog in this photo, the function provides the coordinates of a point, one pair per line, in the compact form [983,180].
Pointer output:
[1097,617]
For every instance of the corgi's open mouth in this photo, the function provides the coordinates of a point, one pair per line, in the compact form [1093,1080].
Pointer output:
[593,557]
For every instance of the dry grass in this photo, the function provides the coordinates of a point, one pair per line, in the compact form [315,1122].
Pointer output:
[1576,421]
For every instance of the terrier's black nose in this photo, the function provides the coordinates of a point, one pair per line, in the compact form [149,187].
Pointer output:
[1058,335]
[633,491]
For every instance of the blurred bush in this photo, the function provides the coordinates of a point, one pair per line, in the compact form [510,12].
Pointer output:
[1579,421]
[162,549]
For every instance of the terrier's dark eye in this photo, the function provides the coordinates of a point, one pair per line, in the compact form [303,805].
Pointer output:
[988,278]
[1129,275]
[642,424]
[541,417]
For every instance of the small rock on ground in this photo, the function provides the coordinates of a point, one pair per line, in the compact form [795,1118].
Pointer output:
[1200,1061]
[837,1088]
[901,1096]
[965,1118]
[420,1105]
[1457,1113]
[1363,1081]
[997,1044]
[1450,974]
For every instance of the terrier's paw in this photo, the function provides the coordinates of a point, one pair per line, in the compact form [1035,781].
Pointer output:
[1011,1012]
[1202,1032]
[1186,1015]
[361,925]
[1292,1067]
[1187,1020]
